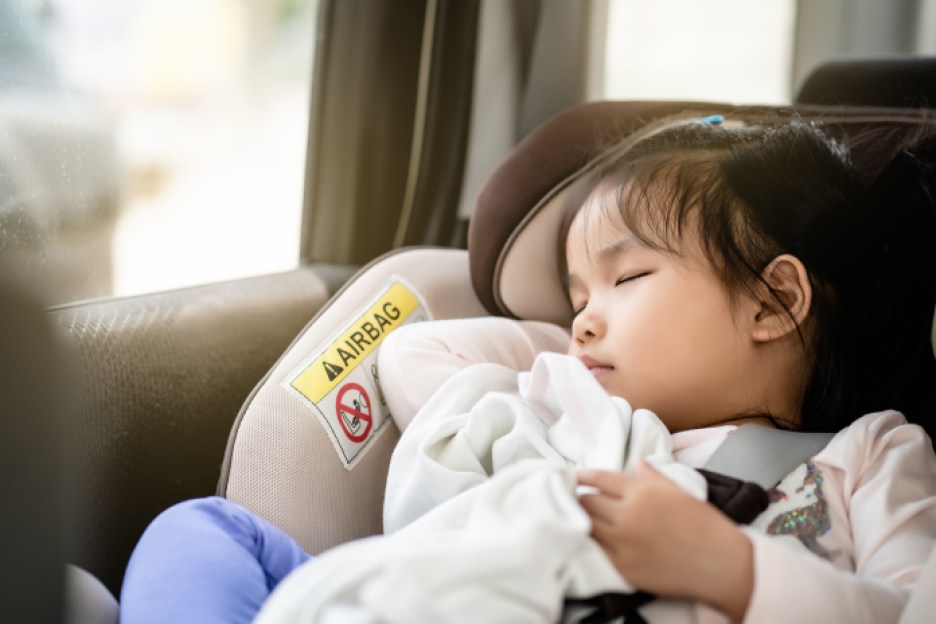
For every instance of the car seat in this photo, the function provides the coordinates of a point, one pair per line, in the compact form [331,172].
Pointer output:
[310,447]
[905,82]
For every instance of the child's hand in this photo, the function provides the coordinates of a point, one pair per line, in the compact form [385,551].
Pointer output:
[664,541]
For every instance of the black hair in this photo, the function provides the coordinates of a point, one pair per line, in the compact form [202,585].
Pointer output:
[757,192]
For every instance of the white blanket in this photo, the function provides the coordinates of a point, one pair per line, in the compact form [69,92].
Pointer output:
[481,514]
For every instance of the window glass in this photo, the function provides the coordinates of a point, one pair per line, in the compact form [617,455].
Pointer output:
[151,144]
[734,51]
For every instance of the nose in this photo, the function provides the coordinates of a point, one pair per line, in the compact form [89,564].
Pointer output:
[587,325]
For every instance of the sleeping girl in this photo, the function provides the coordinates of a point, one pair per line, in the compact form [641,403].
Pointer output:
[717,277]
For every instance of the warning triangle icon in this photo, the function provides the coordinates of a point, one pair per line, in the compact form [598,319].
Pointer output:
[332,370]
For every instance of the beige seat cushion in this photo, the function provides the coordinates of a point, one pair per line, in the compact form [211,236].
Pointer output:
[310,447]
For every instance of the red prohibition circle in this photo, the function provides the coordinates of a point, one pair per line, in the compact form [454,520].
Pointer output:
[363,412]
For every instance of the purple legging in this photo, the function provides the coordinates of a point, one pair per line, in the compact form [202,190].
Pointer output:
[205,560]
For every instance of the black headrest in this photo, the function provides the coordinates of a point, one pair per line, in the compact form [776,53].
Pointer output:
[905,82]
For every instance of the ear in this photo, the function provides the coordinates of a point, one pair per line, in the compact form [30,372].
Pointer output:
[784,307]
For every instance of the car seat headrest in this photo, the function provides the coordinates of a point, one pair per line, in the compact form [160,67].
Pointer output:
[900,81]
[513,236]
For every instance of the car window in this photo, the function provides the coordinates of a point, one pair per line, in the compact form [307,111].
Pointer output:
[151,144]
[726,50]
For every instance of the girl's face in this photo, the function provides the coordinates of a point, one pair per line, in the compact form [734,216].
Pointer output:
[657,329]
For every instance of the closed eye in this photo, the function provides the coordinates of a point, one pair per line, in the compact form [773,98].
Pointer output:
[624,280]
[631,278]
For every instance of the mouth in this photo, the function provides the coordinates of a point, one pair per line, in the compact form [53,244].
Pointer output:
[596,368]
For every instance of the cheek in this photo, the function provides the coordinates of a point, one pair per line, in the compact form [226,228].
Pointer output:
[678,353]
[705,319]
[709,343]
[646,352]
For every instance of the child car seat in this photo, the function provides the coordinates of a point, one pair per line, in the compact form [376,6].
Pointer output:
[310,447]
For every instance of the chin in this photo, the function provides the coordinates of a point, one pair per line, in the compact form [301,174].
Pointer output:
[613,390]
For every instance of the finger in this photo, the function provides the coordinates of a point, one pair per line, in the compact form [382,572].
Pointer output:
[599,508]
[605,538]
[644,468]
[645,471]
[608,539]
[609,483]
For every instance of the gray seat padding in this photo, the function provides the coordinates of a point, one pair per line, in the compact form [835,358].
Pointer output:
[154,384]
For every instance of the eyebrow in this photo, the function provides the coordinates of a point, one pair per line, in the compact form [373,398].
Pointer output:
[623,244]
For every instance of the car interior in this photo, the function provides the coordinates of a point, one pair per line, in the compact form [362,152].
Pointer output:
[120,406]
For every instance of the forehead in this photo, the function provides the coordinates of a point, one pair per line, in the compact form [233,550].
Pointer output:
[612,212]
[642,218]
[599,220]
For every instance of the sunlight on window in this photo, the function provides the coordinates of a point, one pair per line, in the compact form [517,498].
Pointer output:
[733,51]
[177,128]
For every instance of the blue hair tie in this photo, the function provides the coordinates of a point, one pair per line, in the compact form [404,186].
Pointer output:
[712,120]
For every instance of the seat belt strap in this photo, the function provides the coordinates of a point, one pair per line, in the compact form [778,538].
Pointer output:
[764,455]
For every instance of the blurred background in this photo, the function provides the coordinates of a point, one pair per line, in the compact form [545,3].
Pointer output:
[151,144]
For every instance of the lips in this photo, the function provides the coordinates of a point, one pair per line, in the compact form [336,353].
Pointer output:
[595,367]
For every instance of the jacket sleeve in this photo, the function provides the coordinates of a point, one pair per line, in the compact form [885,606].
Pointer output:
[887,471]
[418,358]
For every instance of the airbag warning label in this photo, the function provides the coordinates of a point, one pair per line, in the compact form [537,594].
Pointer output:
[341,381]
[360,340]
